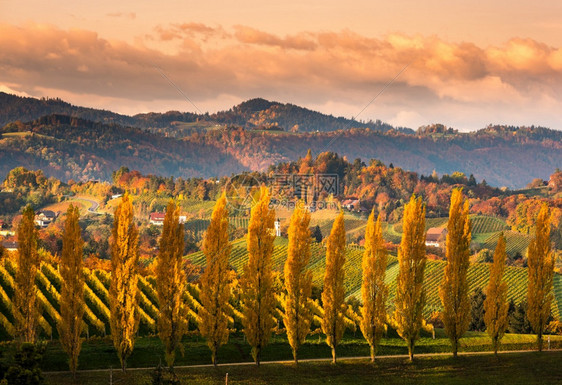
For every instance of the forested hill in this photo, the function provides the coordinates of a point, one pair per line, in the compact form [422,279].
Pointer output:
[13,108]
[73,148]
[251,114]
[499,155]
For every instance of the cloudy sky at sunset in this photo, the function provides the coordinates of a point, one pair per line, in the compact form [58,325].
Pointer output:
[462,63]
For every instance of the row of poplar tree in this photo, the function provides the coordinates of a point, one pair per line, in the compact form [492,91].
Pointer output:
[257,283]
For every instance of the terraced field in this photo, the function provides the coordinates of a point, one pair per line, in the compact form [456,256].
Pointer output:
[478,274]
[97,312]
[516,243]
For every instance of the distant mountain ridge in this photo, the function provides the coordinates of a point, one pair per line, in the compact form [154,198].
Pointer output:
[252,114]
[248,137]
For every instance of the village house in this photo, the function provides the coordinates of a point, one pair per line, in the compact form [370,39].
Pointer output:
[10,245]
[45,218]
[436,236]
[351,204]
[157,219]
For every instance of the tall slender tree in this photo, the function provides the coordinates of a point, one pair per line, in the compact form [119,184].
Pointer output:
[333,293]
[540,259]
[454,287]
[70,326]
[258,297]
[125,317]
[172,320]
[410,295]
[26,311]
[215,280]
[495,304]
[373,289]
[298,280]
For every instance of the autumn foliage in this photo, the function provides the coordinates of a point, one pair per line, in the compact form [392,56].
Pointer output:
[374,291]
[257,281]
[26,312]
[298,280]
[123,289]
[454,287]
[215,280]
[172,320]
[72,288]
[333,293]
[540,259]
[495,304]
[410,294]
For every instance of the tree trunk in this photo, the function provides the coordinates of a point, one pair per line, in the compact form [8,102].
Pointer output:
[214,358]
[455,346]
[257,356]
[539,340]
[411,349]
[333,354]
[295,356]
[372,353]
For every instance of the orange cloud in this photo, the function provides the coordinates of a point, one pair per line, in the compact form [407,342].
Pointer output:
[311,68]
[253,36]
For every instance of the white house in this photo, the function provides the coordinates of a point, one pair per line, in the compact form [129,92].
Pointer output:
[45,218]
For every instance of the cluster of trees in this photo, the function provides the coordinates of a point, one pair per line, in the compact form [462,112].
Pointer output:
[257,281]
[23,187]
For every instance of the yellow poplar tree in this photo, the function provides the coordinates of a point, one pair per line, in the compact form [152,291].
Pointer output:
[540,260]
[333,293]
[72,288]
[454,287]
[26,312]
[257,281]
[410,295]
[172,320]
[373,289]
[298,280]
[215,280]
[495,304]
[123,289]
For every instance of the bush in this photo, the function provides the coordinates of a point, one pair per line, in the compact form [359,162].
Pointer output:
[26,367]
[163,376]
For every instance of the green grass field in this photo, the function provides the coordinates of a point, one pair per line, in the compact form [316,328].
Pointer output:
[99,353]
[533,367]
[514,369]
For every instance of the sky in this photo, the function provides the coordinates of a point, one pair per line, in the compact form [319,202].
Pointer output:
[465,64]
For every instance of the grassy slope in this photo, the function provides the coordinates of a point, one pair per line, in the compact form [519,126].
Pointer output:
[515,368]
[99,352]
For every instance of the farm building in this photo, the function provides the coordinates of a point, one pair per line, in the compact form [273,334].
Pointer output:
[157,219]
[435,236]
[45,218]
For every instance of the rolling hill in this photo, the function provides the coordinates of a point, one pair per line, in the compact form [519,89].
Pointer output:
[82,143]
